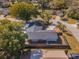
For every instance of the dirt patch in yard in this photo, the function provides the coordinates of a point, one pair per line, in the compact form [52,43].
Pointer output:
[74,44]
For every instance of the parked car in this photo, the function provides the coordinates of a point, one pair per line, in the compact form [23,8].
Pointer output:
[36,54]
[4,11]
[73,56]
[78,26]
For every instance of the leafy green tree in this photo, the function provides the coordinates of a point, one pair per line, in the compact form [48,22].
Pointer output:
[12,39]
[23,10]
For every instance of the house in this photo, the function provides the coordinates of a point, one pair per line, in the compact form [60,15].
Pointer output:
[54,54]
[48,35]
[36,33]
[47,54]
[43,36]
[4,1]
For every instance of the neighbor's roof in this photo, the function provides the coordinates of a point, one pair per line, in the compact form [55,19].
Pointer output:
[54,54]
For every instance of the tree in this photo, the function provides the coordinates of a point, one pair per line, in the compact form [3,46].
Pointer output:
[12,39]
[46,16]
[73,8]
[23,10]
[74,14]
[58,4]
[72,3]
[44,4]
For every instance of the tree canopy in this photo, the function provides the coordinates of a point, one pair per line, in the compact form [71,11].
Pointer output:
[12,38]
[59,3]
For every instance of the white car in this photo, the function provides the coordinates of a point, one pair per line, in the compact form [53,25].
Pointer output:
[36,54]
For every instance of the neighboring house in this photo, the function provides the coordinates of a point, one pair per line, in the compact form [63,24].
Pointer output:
[3,1]
[48,54]
[54,54]
[47,35]
[36,33]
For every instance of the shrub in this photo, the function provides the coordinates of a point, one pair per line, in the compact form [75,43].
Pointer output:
[73,14]
[23,10]
[46,16]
